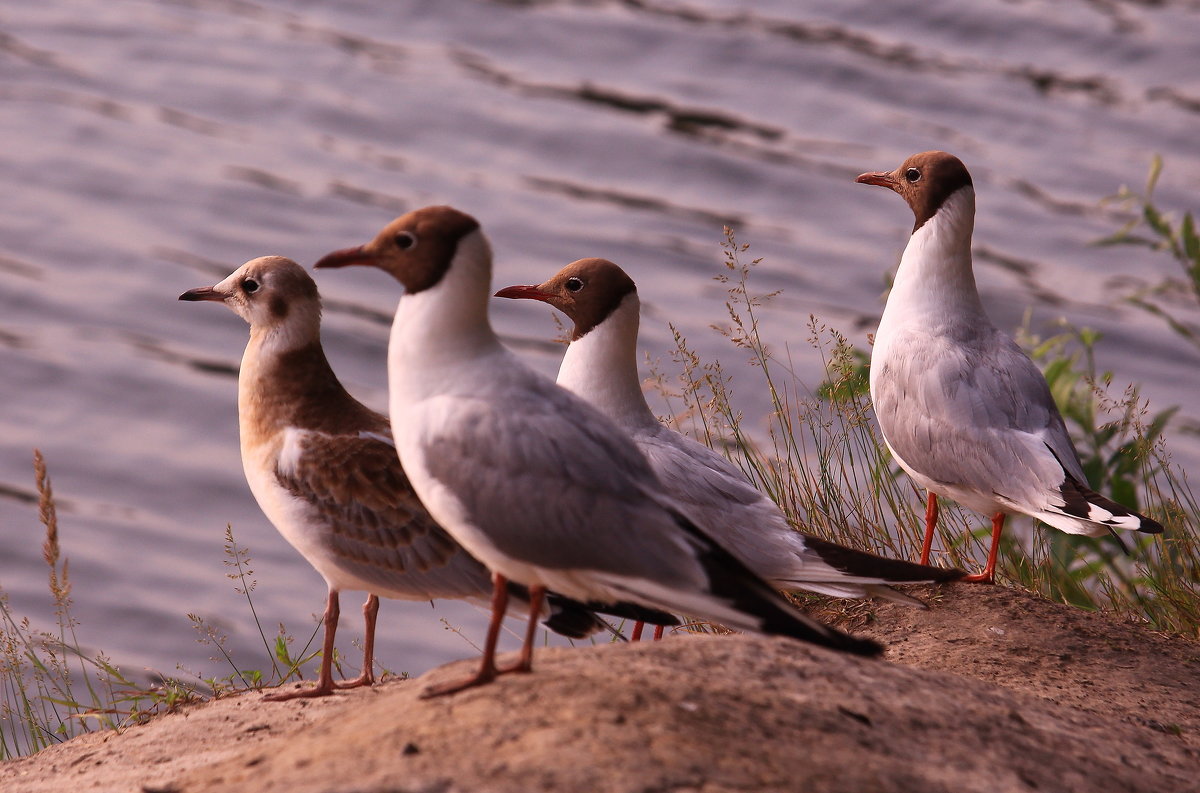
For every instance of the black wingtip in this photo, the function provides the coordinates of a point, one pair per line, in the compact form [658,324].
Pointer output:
[571,619]
[1149,525]
[1091,498]
[730,580]
[869,565]
[1079,498]
[787,621]
[868,648]
[577,620]
[632,611]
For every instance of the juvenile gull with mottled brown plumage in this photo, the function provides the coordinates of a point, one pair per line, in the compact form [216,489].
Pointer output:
[962,408]
[324,469]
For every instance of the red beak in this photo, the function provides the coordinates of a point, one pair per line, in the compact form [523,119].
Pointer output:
[345,258]
[524,293]
[881,178]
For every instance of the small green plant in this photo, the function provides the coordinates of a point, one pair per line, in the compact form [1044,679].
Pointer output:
[283,665]
[1125,456]
[1152,228]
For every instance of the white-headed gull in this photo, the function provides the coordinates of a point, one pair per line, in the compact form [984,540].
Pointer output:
[600,365]
[964,411]
[324,470]
[534,482]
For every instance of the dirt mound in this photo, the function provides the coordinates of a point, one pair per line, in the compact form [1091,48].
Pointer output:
[1089,661]
[1061,700]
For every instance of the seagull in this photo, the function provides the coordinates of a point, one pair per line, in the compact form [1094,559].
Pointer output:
[600,366]
[323,468]
[533,481]
[962,408]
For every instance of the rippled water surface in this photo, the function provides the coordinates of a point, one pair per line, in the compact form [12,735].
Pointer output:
[150,147]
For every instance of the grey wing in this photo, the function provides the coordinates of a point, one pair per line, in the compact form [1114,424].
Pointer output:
[554,483]
[978,415]
[694,474]
[719,498]
[378,529]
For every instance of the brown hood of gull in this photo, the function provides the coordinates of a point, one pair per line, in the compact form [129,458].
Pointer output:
[924,180]
[587,291]
[416,248]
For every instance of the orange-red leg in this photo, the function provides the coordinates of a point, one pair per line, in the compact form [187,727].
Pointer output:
[640,626]
[324,684]
[367,676]
[487,667]
[988,576]
[931,519]
[525,662]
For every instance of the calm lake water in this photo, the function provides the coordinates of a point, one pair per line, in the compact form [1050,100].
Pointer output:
[151,147]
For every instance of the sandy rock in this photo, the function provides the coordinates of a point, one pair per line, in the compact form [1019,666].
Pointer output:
[1062,700]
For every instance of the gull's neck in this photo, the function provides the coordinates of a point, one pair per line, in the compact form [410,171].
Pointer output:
[262,366]
[601,367]
[445,326]
[285,380]
[299,329]
[935,280]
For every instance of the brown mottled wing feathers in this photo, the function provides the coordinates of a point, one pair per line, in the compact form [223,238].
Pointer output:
[374,517]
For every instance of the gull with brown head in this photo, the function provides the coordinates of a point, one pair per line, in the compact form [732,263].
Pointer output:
[964,411]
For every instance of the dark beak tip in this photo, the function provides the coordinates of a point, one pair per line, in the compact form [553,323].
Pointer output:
[202,293]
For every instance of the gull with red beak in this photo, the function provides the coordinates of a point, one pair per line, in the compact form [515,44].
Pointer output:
[537,484]
[600,365]
[964,411]
[324,470]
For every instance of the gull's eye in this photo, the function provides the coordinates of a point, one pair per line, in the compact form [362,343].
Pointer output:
[406,240]
[912,175]
[574,284]
[250,286]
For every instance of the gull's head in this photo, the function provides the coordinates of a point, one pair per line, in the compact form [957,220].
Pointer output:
[267,292]
[924,180]
[416,248]
[588,291]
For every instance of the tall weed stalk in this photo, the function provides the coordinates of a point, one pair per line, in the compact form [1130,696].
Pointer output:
[52,689]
